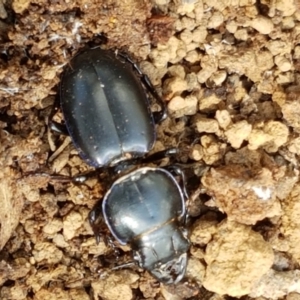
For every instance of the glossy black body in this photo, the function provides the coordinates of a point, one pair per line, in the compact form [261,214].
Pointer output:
[106,108]
[146,209]
[107,114]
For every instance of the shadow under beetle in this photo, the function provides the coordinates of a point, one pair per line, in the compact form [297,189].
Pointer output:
[107,114]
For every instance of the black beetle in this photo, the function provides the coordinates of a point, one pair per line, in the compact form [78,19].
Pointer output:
[107,114]
[106,109]
[146,209]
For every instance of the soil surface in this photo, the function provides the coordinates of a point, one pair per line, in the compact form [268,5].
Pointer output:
[229,72]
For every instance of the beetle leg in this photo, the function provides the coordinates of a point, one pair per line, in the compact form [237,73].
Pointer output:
[109,241]
[150,158]
[50,178]
[57,127]
[59,178]
[158,115]
[55,106]
[82,177]
[96,220]
[79,178]
[178,171]
[75,179]
[54,126]
[160,155]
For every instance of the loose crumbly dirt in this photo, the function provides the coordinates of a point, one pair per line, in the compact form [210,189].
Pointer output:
[230,72]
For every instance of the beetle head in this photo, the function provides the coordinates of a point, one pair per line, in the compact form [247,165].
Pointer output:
[163,252]
[172,271]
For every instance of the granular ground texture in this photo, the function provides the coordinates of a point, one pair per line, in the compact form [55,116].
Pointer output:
[230,74]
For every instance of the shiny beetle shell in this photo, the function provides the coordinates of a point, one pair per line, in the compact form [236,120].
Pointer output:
[146,209]
[106,109]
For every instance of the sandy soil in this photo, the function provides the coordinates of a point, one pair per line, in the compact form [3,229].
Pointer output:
[229,71]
